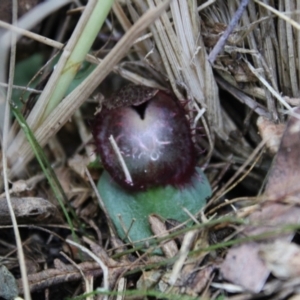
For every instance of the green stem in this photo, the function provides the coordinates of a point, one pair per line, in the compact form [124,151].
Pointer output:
[79,52]
[46,167]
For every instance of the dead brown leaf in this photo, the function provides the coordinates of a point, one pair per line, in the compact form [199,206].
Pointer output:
[283,181]
[243,265]
[271,133]
[282,259]
[158,228]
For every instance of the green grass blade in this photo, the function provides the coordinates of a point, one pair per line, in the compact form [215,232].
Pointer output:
[45,165]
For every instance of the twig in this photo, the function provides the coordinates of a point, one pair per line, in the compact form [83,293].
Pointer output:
[183,253]
[88,280]
[279,14]
[22,88]
[73,263]
[255,155]
[252,104]
[42,39]
[269,87]
[51,277]
[89,57]
[121,288]
[221,42]
[120,159]
[98,260]
[21,256]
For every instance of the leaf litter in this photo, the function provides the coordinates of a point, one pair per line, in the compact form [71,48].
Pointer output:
[248,229]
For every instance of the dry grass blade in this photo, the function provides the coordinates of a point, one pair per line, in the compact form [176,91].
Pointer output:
[279,14]
[206,4]
[21,256]
[133,77]
[184,57]
[270,88]
[120,159]
[227,186]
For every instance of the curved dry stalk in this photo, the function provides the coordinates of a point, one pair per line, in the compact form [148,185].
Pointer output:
[21,256]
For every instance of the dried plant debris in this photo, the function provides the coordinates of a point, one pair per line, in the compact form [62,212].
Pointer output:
[283,181]
[29,210]
[271,133]
[243,265]
[61,274]
[282,259]
[242,107]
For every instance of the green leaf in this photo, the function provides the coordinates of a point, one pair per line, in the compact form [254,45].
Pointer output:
[25,71]
[167,202]
[85,70]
